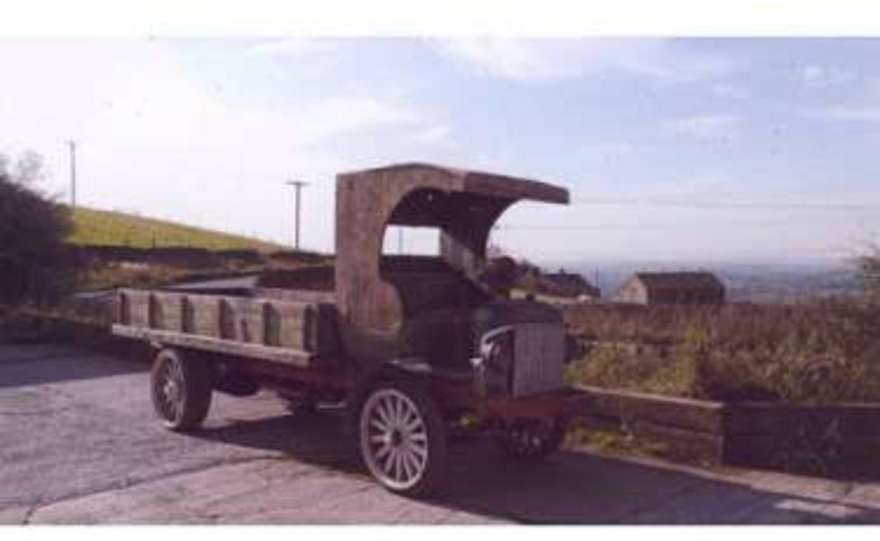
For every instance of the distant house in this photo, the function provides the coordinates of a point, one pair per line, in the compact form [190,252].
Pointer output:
[567,284]
[672,288]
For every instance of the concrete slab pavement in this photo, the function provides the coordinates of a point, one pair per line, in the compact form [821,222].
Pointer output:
[79,444]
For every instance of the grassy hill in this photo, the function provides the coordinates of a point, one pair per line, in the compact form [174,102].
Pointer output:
[102,227]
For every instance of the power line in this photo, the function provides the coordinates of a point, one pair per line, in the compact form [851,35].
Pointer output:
[712,204]
[641,227]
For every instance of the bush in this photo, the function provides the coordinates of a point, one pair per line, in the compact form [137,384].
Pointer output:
[32,232]
[822,351]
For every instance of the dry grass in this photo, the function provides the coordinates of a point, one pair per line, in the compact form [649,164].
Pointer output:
[822,351]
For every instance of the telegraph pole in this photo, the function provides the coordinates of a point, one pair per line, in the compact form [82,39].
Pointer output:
[297,185]
[72,145]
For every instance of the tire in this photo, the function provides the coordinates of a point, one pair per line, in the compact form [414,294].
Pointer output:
[532,439]
[180,388]
[403,438]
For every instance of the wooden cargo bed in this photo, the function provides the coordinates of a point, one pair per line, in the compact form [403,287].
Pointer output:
[294,333]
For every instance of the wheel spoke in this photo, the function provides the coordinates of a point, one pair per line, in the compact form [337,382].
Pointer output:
[418,448]
[418,457]
[414,424]
[383,451]
[397,460]
[379,424]
[383,410]
[168,391]
[395,411]
[406,415]
[387,463]
[408,467]
[402,413]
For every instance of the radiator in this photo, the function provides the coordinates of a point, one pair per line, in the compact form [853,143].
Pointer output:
[539,354]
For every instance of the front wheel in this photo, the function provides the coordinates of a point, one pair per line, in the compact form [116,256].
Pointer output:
[181,387]
[532,439]
[403,438]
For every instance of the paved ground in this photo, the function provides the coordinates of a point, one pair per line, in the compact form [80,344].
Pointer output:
[78,444]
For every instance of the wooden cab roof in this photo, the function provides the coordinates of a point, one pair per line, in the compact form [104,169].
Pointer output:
[462,203]
[452,179]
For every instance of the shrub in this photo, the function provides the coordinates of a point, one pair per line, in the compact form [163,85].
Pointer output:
[32,231]
[819,351]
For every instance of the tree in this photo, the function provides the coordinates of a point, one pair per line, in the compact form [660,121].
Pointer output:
[32,231]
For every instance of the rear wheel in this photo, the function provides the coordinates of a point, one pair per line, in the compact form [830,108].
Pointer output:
[532,439]
[181,389]
[403,438]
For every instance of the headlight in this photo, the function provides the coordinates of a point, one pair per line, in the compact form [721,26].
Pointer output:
[496,346]
[494,365]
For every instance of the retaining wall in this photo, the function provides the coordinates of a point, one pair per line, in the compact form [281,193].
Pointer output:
[840,440]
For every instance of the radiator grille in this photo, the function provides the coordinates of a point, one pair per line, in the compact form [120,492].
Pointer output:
[539,353]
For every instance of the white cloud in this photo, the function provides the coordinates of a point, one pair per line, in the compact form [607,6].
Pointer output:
[539,59]
[709,184]
[859,114]
[433,134]
[609,149]
[708,127]
[726,90]
[816,76]
[874,88]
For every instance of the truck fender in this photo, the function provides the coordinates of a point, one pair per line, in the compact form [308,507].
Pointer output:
[411,369]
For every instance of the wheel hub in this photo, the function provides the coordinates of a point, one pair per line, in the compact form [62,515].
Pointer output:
[172,390]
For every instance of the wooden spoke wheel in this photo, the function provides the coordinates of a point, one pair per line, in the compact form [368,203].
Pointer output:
[181,387]
[403,438]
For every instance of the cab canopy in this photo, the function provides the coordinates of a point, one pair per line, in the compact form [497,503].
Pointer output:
[462,204]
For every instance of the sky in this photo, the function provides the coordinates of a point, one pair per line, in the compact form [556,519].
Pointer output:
[680,150]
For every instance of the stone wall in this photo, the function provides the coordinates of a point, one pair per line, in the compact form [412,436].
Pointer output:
[839,440]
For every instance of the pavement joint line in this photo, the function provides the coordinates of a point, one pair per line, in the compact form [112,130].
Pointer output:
[5,362]
[129,483]
[27,413]
[294,477]
[32,508]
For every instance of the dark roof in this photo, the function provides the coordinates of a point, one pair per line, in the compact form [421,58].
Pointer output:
[566,279]
[679,281]
[571,282]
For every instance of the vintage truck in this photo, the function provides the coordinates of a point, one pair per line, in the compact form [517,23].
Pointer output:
[413,347]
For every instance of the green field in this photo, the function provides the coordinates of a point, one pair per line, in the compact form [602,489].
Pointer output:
[101,227]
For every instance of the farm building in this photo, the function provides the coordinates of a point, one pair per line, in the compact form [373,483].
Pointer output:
[672,288]
[568,284]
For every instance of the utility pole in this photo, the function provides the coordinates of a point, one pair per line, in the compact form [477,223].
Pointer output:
[72,145]
[297,185]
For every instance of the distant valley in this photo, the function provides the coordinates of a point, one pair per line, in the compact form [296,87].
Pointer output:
[745,282]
